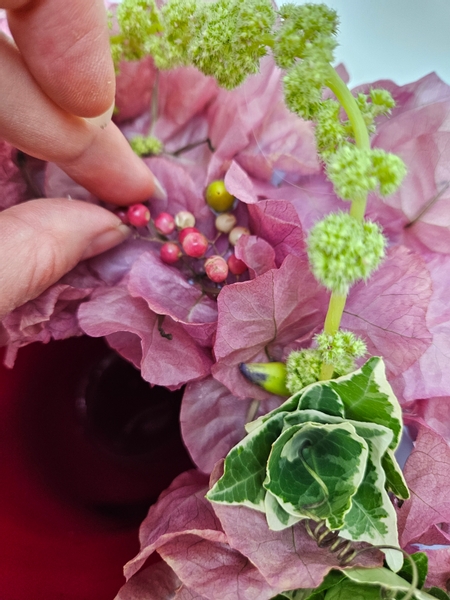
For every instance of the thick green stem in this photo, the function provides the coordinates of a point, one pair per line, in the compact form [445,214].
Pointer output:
[348,102]
[358,207]
[332,322]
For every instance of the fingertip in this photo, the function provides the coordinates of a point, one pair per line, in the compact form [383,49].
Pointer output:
[43,239]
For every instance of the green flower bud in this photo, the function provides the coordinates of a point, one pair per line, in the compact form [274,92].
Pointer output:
[138,20]
[302,369]
[146,145]
[233,39]
[306,29]
[351,172]
[382,101]
[182,21]
[330,133]
[343,250]
[389,170]
[340,350]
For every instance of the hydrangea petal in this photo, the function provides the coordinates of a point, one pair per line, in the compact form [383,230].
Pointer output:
[429,376]
[213,420]
[183,528]
[389,312]
[288,558]
[167,292]
[263,315]
[426,473]
[167,362]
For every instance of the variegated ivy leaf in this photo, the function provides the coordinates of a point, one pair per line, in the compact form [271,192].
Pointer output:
[371,517]
[395,482]
[381,577]
[245,467]
[277,518]
[326,453]
[314,470]
[323,398]
[368,397]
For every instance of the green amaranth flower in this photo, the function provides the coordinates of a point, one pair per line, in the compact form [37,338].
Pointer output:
[343,250]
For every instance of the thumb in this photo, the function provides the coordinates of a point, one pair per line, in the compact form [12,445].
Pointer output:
[41,240]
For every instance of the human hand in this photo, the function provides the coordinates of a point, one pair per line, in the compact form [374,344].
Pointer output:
[58,77]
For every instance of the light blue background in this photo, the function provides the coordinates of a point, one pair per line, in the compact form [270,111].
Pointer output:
[401,40]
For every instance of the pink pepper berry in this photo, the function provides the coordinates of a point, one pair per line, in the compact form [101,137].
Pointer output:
[216,268]
[236,233]
[170,253]
[236,266]
[184,219]
[138,215]
[165,223]
[195,244]
[183,233]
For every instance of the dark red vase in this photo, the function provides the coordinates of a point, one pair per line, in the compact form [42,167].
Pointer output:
[85,447]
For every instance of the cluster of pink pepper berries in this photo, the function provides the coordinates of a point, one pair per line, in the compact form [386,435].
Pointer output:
[180,238]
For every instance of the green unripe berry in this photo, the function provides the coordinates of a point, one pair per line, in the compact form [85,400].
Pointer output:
[217,196]
[343,250]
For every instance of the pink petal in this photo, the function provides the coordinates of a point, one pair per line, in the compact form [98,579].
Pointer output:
[263,315]
[389,312]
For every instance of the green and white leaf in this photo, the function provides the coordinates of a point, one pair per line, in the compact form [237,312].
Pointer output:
[322,398]
[314,470]
[245,467]
[372,517]
[277,518]
[347,589]
[420,559]
[368,397]
[288,406]
[379,576]
[395,482]
[332,579]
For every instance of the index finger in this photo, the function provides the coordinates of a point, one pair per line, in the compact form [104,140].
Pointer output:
[65,45]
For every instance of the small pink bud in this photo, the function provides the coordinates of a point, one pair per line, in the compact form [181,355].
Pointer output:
[195,244]
[138,215]
[183,233]
[225,222]
[184,219]
[236,266]
[236,233]
[216,268]
[165,223]
[170,253]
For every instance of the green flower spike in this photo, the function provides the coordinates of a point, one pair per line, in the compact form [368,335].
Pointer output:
[225,39]
[343,250]
[138,21]
[304,46]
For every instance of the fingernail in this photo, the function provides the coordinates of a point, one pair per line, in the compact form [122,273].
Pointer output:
[159,193]
[102,120]
[106,240]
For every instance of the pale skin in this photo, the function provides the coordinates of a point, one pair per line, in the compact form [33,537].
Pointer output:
[58,73]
